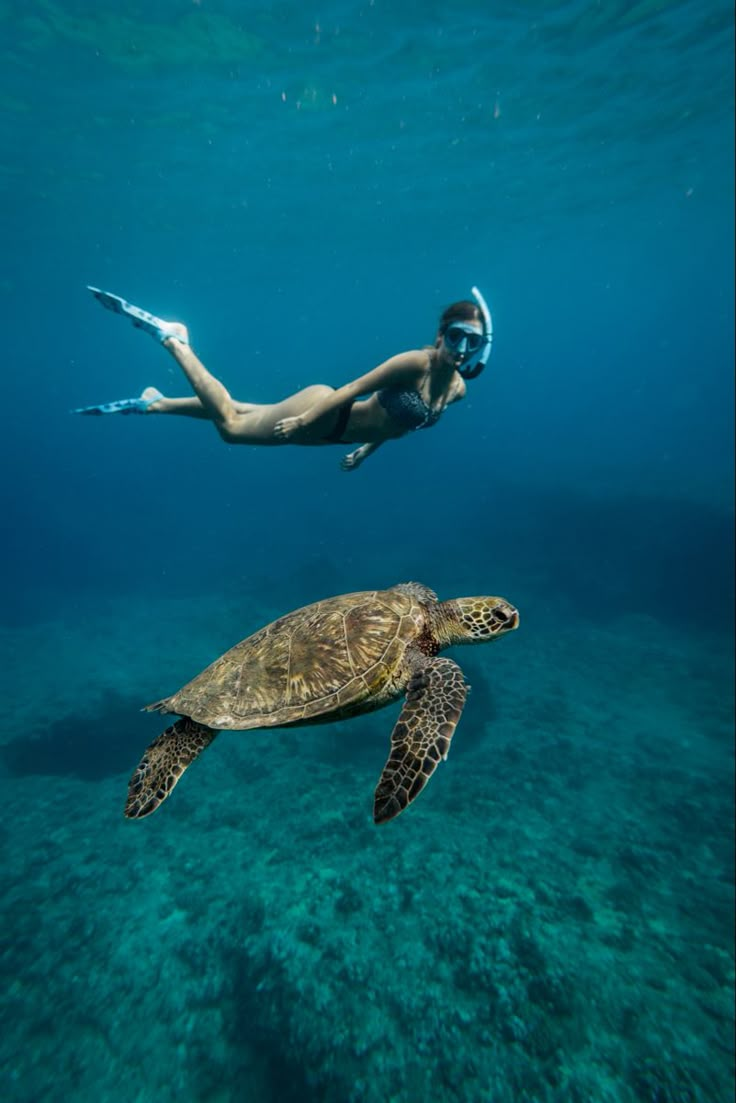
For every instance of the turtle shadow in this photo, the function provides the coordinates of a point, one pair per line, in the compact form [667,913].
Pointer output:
[90,746]
[258,1025]
[480,710]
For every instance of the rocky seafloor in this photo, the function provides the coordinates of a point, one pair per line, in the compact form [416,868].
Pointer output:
[550,922]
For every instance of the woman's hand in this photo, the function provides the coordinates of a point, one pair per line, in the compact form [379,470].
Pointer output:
[354,459]
[288,426]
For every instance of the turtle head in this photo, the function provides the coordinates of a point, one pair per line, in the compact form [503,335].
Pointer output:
[477,619]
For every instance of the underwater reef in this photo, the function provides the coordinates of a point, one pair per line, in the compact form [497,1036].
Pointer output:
[550,921]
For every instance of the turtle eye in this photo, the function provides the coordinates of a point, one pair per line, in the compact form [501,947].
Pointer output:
[506,616]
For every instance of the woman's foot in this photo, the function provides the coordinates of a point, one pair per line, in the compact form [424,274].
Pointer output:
[140,405]
[151,395]
[175,331]
[141,319]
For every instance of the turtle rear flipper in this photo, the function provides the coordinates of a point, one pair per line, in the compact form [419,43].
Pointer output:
[421,737]
[163,763]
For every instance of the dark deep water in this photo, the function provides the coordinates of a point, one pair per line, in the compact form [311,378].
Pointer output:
[552,920]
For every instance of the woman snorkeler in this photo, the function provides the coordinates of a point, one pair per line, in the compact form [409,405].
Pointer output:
[407,392]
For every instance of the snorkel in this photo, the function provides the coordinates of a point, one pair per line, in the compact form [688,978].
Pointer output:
[475,364]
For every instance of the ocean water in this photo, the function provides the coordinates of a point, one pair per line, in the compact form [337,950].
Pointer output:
[307,187]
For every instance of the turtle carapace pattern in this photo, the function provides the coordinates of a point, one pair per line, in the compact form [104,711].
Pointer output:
[329,661]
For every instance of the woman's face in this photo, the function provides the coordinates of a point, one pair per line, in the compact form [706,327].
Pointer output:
[460,341]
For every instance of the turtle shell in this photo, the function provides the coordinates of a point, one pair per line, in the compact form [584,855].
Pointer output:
[322,659]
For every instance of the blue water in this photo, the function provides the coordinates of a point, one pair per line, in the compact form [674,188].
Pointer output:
[552,920]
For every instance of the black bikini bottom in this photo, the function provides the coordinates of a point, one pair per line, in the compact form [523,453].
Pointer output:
[343,417]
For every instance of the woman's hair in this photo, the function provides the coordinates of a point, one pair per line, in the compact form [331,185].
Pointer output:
[462,311]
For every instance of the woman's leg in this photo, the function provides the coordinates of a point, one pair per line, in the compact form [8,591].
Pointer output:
[254,424]
[236,422]
[214,398]
[184,407]
[239,422]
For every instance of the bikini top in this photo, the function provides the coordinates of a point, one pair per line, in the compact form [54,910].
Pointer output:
[408,408]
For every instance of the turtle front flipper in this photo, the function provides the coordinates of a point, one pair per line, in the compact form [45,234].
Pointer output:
[163,764]
[421,738]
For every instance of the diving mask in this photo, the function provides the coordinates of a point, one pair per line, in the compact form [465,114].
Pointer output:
[464,338]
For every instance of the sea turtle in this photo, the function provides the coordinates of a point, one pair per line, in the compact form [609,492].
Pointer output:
[329,661]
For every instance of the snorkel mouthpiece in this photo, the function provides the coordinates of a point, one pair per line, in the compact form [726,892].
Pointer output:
[475,364]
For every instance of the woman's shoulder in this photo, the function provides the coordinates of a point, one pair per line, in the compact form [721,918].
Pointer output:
[416,361]
[422,355]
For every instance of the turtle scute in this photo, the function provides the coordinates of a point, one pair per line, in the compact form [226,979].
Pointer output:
[319,660]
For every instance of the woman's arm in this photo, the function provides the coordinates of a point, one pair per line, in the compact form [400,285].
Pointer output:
[355,459]
[458,391]
[405,368]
